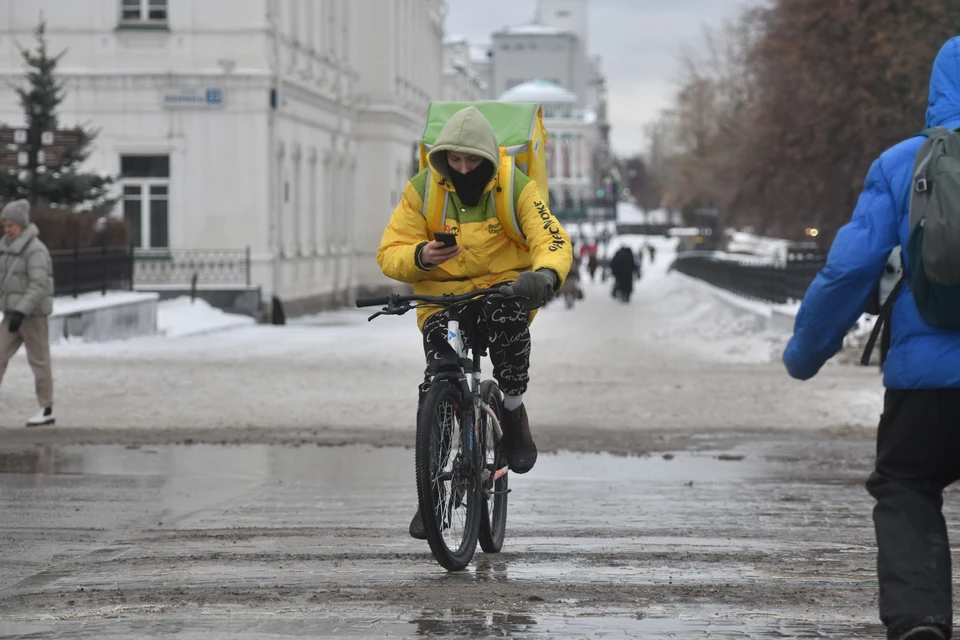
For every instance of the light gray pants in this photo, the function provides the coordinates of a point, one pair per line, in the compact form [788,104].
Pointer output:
[35,334]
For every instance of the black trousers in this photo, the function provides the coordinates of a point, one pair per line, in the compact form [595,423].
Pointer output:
[504,325]
[918,456]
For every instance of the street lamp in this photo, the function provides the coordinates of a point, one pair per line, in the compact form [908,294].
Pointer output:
[812,232]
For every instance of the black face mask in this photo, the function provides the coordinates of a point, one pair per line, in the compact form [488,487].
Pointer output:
[470,185]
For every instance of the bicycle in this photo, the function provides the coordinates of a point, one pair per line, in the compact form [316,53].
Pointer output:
[462,482]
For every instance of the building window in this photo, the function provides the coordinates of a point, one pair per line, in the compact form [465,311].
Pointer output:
[143,11]
[146,199]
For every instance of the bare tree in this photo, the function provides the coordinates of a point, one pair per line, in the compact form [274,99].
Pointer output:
[778,119]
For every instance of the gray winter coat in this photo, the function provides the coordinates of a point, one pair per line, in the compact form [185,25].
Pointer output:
[26,274]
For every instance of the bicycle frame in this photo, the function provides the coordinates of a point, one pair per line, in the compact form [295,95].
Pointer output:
[456,365]
[465,371]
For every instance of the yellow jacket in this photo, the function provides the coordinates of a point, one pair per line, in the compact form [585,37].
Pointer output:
[489,256]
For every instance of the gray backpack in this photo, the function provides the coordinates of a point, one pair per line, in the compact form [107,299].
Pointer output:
[932,266]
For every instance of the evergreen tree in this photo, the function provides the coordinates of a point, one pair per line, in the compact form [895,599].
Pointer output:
[62,184]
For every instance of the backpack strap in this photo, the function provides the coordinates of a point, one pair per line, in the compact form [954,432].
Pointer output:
[434,208]
[13,263]
[883,318]
[504,200]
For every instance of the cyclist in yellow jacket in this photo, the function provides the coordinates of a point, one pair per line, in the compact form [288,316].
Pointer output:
[466,164]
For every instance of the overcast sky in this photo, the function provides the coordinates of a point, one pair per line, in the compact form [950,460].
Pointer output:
[640,42]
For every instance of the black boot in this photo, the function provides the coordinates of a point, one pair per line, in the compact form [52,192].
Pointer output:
[518,445]
[416,527]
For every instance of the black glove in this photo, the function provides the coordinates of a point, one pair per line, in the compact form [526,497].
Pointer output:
[535,286]
[15,319]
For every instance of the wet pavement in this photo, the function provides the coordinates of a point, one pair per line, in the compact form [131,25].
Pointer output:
[762,537]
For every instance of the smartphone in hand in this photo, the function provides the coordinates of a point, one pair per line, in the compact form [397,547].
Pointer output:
[447,239]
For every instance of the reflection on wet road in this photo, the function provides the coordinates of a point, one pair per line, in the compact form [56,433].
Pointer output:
[768,539]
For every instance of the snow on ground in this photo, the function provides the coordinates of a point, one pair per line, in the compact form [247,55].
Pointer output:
[675,357]
[181,317]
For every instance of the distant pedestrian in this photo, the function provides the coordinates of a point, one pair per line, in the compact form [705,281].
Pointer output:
[571,289]
[625,270]
[26,299]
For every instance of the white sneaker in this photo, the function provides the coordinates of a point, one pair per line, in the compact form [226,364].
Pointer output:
[45,417]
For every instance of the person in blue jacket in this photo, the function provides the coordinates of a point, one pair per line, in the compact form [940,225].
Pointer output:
[918,440]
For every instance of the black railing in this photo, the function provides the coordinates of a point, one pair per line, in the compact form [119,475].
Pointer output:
[644,229]
[101,269]
[585,210]
[192,266]
[777,283]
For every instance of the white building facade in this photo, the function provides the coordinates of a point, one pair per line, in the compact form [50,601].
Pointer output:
[571,139]
[547,61]
[284,126]
[536,51]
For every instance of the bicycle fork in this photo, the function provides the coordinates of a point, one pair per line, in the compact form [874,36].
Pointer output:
[471,385]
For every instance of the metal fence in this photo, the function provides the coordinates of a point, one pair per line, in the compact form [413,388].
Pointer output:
[585,210]
[87,270]
[777,283]
[644,229]
[191,266]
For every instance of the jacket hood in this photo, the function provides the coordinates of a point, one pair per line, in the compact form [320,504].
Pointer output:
[467,131]
[17,244]
[945,86]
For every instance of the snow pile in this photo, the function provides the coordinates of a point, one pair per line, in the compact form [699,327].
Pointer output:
[630,213]
[182,317]
[743,242]
[715,330]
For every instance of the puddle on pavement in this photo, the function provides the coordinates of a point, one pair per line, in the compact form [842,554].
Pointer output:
[47,460]
[306,519]
[457,623]
[203,458]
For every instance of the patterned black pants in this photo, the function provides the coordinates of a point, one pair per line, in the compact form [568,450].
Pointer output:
[503,323]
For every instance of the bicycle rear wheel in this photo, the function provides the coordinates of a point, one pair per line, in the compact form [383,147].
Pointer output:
[446,484]
[493,505]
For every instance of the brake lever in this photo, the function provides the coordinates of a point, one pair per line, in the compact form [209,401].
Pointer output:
[391,310]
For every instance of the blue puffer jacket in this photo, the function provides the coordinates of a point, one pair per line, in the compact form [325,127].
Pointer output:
[921,356]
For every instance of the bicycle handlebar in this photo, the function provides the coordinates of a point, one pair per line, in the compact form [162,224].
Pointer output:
[373,302]
[442,300]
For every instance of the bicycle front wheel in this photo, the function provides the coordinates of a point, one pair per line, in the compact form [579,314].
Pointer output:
[446,479]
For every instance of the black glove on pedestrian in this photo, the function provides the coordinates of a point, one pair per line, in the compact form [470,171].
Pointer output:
[535,286]
[15,319]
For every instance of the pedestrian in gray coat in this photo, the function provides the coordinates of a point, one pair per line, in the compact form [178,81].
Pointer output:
[26,299]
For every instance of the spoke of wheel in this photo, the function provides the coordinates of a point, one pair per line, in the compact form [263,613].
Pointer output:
[444,474]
